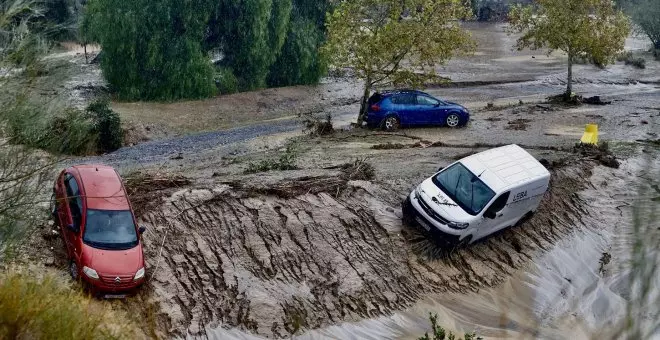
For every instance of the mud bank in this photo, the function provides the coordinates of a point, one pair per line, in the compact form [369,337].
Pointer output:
[275,265]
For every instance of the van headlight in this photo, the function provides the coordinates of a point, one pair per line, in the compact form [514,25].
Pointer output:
[458,225]
[91,273]
[139,274]
[418,191]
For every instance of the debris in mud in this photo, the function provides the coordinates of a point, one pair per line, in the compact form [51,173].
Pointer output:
[389,146]
[50,262]
[358,170]
[650,141]
[604,261]
[316,126]
[544,107]
[599,153]
[493,119]
[141,187]
[595,100]
[518,124]
[293,188]
[577,100]
[51,234]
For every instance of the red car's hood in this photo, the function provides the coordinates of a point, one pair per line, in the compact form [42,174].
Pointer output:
[113,262]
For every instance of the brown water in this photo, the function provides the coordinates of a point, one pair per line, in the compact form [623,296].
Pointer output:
[564,293]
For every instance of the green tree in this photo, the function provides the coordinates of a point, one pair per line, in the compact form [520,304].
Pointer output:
[152,49]
[591,29]
[299,61]
[394,42]
[646,14]
[250,34]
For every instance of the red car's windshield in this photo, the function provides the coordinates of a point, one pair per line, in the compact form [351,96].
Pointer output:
[110,229]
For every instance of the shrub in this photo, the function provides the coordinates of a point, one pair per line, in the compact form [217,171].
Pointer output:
[628,58]
[46,309]
[225,80]
[286,161]
[69,132]
[107,125]
[72,133]
[440,333]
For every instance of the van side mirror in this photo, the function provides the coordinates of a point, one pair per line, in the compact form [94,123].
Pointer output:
[441,168]
[490,214]
[142,229]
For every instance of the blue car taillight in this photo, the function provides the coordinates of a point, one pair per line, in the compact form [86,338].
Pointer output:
[375,108]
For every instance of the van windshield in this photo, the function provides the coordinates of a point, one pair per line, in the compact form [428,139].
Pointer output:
[464,188]
[110,229]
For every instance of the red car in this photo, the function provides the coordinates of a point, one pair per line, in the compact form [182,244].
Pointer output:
[99,230]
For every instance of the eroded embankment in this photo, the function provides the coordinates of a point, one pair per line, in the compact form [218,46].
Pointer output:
[276,262]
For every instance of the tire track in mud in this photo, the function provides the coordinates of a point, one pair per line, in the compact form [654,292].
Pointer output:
[275,265]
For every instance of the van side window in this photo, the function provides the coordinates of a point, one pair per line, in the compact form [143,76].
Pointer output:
[500,202]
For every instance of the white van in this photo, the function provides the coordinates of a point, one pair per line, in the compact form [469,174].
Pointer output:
[478,195]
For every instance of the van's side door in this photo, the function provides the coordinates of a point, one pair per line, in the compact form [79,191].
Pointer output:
[497,216]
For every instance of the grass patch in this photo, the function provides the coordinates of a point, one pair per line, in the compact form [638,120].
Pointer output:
[46,309]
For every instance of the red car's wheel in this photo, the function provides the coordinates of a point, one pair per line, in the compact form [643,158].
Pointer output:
[73,270]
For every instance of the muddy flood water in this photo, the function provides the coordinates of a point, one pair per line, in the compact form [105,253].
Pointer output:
[579,287]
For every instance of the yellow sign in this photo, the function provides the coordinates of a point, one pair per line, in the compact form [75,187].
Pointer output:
[590,135]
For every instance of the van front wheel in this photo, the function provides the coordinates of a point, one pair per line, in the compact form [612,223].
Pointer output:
[464,242]
[525,218]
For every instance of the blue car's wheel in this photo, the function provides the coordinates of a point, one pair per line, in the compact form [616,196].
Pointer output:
[453,120]
[391,123]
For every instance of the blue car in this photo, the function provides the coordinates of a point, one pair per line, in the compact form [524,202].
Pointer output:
[390,110]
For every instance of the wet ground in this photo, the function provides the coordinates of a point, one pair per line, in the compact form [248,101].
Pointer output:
[314,253]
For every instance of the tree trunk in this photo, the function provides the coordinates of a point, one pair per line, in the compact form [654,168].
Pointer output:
[569,81]
[364,105]
[86,58]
